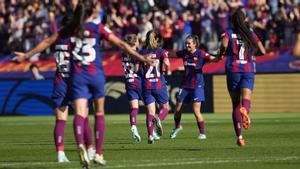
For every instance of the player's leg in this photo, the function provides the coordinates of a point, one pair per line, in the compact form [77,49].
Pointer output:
[197,95]
[99,130]
[150,120]
[245,109]
[247,85]
[200,120]
[59,132]
[233,86]
[177,119]
[237,117]
[162,98]
[163,113]
[149,101]
[88,135]
[134,106]
[183,97]
[79,129]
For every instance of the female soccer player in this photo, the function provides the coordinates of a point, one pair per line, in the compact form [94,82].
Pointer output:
[154,88]
[61,94]
[87,72]
[239,44]
[133,84]
[192,85]
[87,76]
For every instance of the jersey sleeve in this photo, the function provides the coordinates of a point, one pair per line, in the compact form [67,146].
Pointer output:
[225,35]
[256,38]
[165,54]
[205,55]
[104,31]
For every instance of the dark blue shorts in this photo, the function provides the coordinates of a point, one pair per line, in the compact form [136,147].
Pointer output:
[237,81]
[61,94]
[86,86]
[134,94]
[159,96]
[187,96]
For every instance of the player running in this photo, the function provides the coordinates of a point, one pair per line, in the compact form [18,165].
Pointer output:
[133,84]
[154,88]
[239,44]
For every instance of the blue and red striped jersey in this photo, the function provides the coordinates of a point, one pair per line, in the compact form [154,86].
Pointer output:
[86,56]
[193,63]
[152,76]
[63,56]
[132,78]
[239,58]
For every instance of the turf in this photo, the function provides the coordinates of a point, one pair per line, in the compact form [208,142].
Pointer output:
[273,141]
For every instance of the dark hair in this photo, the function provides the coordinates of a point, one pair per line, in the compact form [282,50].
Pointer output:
[131,39]
[33,66]
[67,18]
[153,40]
[195,39]
[238,22]
[83,10]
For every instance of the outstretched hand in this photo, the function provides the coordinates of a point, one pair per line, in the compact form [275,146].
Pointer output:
[19,57]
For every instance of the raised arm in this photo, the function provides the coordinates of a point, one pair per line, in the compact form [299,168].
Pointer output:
[213,58]
[46,43]
[125,47]
[261,47]
[223,46]
[167,66]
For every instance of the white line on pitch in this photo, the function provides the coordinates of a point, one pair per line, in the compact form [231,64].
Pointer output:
[165,162]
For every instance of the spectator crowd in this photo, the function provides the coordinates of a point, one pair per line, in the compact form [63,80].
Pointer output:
[24,23]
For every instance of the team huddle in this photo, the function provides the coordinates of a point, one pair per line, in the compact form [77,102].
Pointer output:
[80,78]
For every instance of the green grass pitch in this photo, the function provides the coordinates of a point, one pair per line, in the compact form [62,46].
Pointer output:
[273,142]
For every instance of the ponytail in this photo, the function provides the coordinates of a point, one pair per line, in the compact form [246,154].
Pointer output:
[153,40]
[238,22]
[83,10]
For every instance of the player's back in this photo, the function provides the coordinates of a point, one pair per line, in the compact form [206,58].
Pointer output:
[63,57]
[239,57]
[86,56]
[132,78]
[152,75]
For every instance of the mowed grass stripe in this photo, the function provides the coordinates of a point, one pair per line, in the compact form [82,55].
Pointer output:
[273,142]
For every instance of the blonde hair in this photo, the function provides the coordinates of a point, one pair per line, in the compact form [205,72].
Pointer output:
[153,40]
[131,39]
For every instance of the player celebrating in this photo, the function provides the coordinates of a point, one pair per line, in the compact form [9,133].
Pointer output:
[239,44]
[87,72]
[154,84]
[192,85]
[133,84]
[61,94]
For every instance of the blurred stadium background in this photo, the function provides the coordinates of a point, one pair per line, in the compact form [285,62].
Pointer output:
[26,142]
[24,23]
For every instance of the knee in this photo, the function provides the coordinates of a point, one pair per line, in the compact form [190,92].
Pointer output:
[165,106]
